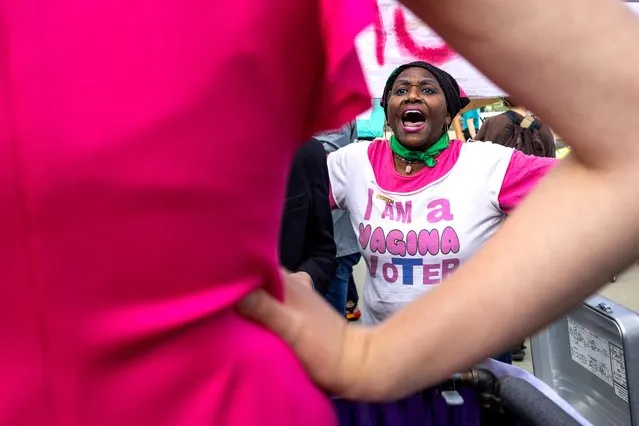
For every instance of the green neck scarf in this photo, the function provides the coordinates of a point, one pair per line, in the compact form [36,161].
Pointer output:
[428,156]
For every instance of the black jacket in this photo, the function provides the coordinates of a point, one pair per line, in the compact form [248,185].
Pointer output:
[306,239]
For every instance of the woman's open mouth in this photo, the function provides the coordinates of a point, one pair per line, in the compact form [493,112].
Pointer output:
[413,121]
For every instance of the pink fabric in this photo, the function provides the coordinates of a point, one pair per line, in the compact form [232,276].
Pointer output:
[389,179]
[136,208]
[522,175]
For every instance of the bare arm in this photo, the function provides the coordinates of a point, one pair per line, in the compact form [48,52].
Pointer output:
[471,127]
[571,54]
[590,232]
[587,207]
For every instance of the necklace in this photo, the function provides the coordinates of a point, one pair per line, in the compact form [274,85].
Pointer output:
[409,163]
[428,156]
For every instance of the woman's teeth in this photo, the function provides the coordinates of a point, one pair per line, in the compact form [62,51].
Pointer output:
[413,118]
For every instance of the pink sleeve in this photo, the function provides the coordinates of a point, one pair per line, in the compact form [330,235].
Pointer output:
[344,93]
[522,175]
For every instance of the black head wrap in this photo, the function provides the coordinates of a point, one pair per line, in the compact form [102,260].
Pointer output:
[455,102]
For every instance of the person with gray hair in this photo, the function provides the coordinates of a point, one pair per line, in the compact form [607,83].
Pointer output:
[348,254]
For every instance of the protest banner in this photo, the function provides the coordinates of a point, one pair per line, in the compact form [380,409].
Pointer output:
[397,37]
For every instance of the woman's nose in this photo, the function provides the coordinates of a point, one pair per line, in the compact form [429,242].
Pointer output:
[413,93]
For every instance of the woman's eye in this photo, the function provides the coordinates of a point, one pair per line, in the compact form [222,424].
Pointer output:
[401,91]
[429,90]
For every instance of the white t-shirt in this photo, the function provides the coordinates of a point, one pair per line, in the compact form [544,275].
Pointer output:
[413,237]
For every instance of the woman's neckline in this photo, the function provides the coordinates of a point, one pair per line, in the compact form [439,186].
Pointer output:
[419,172]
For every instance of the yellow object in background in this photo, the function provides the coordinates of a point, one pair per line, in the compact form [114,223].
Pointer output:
[563,152]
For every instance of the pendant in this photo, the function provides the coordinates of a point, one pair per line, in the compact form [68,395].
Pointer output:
[409,169]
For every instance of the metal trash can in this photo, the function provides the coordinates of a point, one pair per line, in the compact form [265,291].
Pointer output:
[590,358]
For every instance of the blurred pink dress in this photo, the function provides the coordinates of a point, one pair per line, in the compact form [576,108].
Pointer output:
[144,148]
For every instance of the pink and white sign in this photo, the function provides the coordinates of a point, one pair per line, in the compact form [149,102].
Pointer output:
[398,37]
